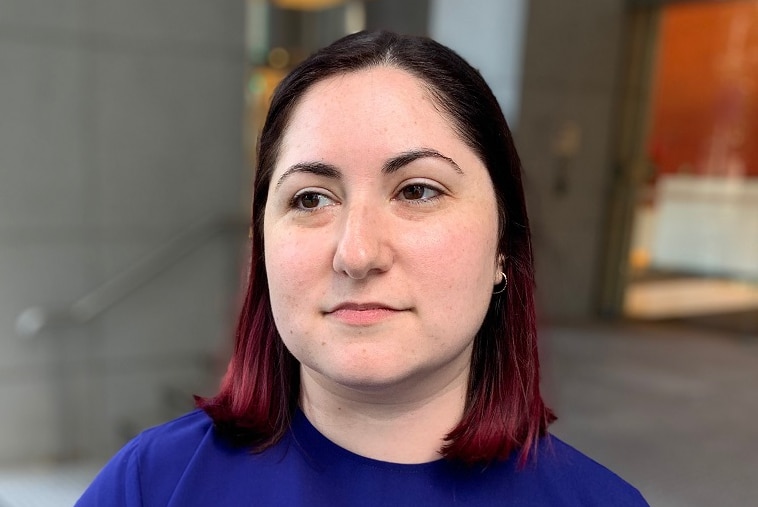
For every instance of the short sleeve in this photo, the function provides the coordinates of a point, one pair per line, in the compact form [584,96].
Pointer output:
[118,483]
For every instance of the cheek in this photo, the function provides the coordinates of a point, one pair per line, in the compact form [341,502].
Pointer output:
[454,267]
[283,260]
[457,250]
[293,264]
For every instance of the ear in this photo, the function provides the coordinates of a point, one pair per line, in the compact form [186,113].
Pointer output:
[499,269]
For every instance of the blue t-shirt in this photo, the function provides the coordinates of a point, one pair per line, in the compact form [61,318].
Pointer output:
[185,463]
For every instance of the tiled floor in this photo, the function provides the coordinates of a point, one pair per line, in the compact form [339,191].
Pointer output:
[673,410]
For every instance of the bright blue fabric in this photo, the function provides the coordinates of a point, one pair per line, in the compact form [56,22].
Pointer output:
[184,463]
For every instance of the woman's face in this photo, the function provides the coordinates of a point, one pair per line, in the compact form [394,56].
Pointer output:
[380,235]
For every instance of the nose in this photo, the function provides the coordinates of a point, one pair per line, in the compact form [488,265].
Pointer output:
[362,245]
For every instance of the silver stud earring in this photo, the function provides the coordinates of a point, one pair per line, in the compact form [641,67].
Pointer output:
[505,284]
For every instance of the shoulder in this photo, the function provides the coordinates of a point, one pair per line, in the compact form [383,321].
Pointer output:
[566,472]
[151,464]
[175,441]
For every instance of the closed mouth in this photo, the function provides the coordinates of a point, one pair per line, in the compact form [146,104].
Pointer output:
[361,307]
[362,314]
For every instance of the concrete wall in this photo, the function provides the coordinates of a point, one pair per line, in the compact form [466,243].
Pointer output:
[121,125]
[489,34]
[553,66]
[566,138]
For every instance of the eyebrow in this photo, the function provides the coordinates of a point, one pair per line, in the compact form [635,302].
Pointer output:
[390,166]
[318,168]
[405,158]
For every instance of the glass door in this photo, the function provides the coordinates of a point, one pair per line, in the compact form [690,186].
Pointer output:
[693,247]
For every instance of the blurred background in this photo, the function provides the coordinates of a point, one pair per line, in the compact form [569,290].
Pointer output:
[127,134]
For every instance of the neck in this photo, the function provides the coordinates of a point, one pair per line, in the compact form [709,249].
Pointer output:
[381,425]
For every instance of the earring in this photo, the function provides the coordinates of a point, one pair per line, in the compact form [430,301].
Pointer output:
[504,282]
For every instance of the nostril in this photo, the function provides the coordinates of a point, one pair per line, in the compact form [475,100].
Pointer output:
[361,250]
[353,258]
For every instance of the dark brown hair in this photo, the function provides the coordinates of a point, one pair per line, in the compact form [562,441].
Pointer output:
[504,409]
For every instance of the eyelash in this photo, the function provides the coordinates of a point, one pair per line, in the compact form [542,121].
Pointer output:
[296,204]
[421,201]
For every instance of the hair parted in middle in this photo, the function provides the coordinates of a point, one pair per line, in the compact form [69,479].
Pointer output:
[504,411]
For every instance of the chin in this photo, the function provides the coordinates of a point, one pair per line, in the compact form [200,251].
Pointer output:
[368,376]
[365,379]
[398,380]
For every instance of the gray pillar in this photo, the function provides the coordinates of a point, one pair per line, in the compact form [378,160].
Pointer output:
[121,125]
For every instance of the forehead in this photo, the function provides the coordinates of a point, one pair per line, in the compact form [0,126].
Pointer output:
[374,109]
[381,87]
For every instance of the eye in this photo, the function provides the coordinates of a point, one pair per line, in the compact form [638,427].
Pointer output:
[310,201]
[418,192]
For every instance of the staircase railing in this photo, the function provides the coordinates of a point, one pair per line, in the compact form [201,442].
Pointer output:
[34,320]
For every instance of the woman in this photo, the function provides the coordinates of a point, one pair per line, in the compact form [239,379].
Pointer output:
[386,353]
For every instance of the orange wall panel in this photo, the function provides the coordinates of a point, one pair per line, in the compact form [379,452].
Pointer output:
[705,96]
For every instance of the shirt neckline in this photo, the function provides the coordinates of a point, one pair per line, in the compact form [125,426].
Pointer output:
[319,449]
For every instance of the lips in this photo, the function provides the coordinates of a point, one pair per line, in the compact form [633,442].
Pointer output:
[359,307]
[362,314]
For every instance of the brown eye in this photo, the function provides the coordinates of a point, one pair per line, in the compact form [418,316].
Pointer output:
[413,192]
[309,201]
[418,192]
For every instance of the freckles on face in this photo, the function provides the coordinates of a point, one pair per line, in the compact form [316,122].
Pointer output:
[380,233]
[291,260]
[459,271]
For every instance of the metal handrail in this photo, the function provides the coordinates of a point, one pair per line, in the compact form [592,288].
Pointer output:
[33,321]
